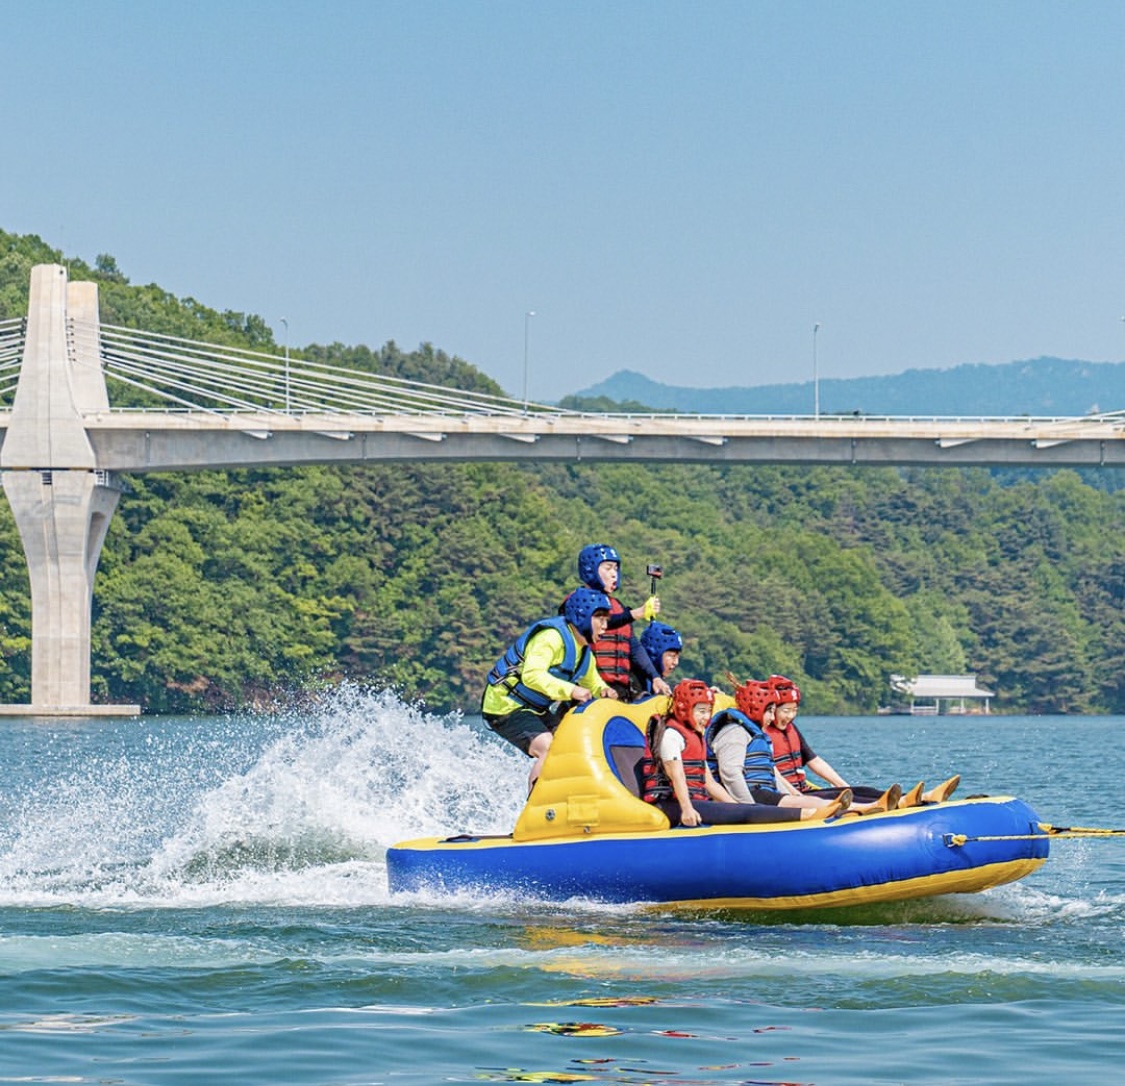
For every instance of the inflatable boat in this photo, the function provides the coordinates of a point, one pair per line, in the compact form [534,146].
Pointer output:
[585,833]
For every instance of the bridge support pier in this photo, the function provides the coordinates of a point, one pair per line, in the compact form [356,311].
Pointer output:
[62,518]
[61,502]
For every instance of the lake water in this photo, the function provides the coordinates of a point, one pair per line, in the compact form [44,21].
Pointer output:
[205,898]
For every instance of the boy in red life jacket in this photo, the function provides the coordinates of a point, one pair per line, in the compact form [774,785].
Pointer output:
[678,780]
[793,754]
[617,652]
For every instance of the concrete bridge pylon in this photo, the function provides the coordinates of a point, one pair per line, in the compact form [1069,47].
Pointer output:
[61,502]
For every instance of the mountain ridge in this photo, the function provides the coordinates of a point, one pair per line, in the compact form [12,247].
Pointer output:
[1041,386]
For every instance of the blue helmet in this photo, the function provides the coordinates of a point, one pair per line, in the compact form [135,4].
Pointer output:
[589,558]
[657,639]
[579,608]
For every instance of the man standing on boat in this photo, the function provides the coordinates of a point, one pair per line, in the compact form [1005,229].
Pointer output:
[548,668]
[618,653]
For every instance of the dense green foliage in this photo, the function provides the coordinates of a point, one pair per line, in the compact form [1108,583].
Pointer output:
[223,588]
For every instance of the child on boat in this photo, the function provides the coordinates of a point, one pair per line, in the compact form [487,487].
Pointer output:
[678,780]
[742,757]
[617,652]
[793,755]
[663,645]
[548,668]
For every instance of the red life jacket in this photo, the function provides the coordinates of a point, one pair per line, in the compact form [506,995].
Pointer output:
[658,787]
[611,652]
[787,754]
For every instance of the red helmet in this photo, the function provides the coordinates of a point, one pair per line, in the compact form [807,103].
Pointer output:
[784,691]
[753,698]
[689,694]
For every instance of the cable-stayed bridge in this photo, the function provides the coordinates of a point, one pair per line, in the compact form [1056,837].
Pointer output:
[207,406]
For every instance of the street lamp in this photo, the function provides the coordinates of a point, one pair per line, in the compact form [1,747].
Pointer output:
[286,323]
[815,377]
[526,335]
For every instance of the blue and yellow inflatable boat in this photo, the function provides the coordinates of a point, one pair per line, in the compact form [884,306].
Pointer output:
[585,833]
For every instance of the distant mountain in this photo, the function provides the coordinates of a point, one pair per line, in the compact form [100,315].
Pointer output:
[1040,386]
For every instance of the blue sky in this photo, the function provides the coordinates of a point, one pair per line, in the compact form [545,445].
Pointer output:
[680,188]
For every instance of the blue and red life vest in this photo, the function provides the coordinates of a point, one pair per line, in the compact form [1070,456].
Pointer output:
[757,766]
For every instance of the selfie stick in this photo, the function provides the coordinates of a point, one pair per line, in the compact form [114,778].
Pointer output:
[655,572]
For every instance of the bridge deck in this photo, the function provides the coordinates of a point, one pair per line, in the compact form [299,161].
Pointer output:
[140,441]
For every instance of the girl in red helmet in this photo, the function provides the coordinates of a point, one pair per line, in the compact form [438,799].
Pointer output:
[678,780]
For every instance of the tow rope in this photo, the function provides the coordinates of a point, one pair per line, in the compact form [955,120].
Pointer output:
[954,840]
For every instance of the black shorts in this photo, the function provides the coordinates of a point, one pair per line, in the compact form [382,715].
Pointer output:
[521,727]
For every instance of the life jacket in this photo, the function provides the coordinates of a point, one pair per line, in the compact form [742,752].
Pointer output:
[611,651]
[787,754]
[507,672]
[757,766]
[657,785]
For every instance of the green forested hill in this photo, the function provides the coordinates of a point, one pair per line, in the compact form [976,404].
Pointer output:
[224,588]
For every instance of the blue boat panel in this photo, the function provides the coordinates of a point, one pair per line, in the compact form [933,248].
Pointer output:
[792,862]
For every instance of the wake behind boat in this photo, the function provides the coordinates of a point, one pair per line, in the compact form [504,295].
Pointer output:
[585,832]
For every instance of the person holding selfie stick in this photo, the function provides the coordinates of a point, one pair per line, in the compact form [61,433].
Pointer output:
[617,651]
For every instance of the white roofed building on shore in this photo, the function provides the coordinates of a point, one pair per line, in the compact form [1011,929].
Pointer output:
[934,695]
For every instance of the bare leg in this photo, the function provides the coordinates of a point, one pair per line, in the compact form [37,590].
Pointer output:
[806,801]
[537,749]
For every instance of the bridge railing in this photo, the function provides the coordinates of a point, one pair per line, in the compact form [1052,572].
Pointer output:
[546,411]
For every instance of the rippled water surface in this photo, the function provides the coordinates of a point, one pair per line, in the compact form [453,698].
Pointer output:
[207,897]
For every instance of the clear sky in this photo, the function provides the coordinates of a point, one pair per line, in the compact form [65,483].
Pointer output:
[680,188]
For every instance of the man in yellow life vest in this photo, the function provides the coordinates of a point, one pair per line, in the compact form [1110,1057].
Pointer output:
[548,668]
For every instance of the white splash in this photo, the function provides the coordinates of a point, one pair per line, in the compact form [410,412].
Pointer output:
[292,808]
